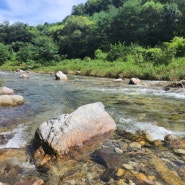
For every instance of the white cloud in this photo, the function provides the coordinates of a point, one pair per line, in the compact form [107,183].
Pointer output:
[36,12]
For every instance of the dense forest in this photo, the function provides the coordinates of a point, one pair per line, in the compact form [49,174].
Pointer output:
[137,31]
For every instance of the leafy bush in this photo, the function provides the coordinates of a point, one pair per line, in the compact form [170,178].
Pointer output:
[99,54]
[158,56]
[4,53]
[153,54]
[117,51]
[177,46]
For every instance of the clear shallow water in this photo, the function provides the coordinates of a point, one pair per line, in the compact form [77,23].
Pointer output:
[132,107]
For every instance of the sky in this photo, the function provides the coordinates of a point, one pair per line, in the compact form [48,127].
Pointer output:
[34,12]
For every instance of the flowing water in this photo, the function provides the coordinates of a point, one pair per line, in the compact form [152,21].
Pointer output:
[145,107]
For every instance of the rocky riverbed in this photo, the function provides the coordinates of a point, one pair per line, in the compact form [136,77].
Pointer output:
[122,159]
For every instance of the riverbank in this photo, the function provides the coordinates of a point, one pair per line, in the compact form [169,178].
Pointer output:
[93,67]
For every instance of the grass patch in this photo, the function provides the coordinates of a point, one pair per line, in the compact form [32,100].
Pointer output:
[118,69]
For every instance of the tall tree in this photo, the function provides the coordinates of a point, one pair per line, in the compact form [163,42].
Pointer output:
[150,28]
[4,53]
[16,32]
[126,25]
[45,50]
[168,22]
[73,38]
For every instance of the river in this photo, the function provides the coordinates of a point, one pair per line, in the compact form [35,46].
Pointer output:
[146,107]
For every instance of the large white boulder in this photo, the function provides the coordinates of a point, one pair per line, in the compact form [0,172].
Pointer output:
[56,136]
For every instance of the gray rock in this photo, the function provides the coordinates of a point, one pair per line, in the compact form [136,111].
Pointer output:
[58,135]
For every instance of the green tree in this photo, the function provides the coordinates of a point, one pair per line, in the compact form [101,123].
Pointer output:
[168,22]
[4,53]
[96,6]
[15,32]
[26,54]
[74,35]
[78,10]
[150,28]
[126,24]
[101,36]
[45,50]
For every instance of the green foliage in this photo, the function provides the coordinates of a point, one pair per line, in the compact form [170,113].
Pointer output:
[100,55]
[78,10]
[139,55]
[125,26]
[118,51]
[26,54]
[140,37]
[45,50]
[73,37]
[101,36]
[4,53]
[15,32]
[177,46]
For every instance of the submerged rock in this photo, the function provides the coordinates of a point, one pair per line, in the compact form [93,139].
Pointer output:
[118,80]
[9,100]
[6,90]
[146,164]
[58,135]
[176,87]
[180,84]
[24,76]
[172,140]
[32,182]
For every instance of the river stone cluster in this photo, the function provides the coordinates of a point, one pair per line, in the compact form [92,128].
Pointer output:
[8,98]
[56,136]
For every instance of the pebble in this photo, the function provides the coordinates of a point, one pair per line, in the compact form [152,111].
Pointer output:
[135,145]
[179,151]
[131,182]
[127,167]
[120,172]
[121,182]
[118,150]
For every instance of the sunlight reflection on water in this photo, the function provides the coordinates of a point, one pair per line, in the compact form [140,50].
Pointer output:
[133,107]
